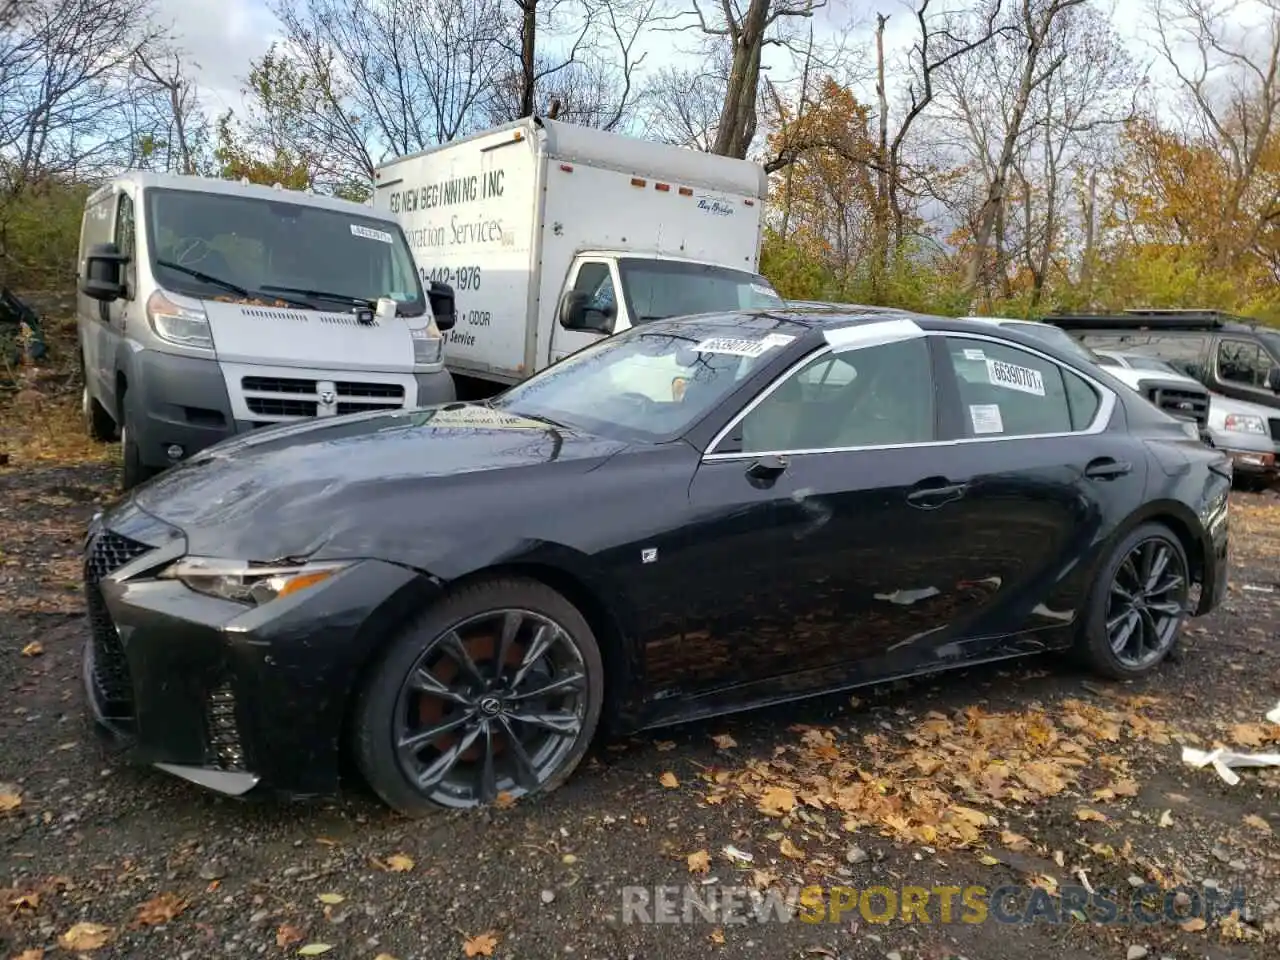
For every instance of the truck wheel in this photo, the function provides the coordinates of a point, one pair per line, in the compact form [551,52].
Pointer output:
[1138,604]
[135,471]
[495,690]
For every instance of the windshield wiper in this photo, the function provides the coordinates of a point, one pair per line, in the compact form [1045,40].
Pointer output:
[346,298]
[224,284]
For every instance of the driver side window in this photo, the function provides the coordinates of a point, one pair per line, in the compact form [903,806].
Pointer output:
[596,283]
[877,396]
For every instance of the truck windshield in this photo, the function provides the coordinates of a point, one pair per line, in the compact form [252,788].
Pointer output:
[208,244]
[655,289]
[647,383]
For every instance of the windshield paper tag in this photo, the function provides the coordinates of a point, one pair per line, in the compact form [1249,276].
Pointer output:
[986,418]
[368,234]
[777,339]
[975,355]
[764,291]
[1011,377]
[734,347]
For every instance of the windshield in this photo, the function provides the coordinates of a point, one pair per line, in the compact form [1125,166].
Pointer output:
[1058,337]
[644,383]
[208,244]
[656,289]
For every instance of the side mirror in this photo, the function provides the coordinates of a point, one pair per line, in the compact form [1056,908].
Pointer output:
[1273,379]
[575,314]
[103,277]
[440,296]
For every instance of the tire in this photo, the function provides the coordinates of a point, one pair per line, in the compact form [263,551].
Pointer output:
[478,727]
[135,471]
[97,422]
[1121,655]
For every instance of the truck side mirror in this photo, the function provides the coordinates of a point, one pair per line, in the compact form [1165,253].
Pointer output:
[576,314]
[440,296]
[103,277]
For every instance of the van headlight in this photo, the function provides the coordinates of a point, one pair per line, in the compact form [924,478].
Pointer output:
[428,344]
[179,321]
[246,582]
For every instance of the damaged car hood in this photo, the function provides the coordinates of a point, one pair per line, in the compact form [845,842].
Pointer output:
[351,486]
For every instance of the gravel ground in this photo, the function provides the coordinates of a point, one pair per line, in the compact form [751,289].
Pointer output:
[101,858]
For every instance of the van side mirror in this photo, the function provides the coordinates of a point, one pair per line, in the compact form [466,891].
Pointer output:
[1273,378]
[576,314]
[103,277]
[440,296]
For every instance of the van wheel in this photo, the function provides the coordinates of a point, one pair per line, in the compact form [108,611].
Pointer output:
[135,471]
[97,422]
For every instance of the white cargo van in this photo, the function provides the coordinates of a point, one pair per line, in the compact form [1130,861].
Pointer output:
[208,308]
[553,235]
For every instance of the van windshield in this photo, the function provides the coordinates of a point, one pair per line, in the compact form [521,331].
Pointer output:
[656,289]
[208,244]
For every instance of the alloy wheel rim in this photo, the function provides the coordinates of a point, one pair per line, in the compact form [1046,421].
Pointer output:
[492,706]
[1147,602]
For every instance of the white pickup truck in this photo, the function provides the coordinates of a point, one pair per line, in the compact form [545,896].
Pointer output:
[553,235]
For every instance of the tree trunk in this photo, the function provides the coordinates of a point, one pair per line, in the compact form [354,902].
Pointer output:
[737,125]
[528,52]
[881,262]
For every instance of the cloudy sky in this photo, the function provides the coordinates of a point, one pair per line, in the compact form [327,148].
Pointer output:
[224,36]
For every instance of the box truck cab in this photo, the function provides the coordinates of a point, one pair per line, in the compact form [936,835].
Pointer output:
[554,235]
[208,308]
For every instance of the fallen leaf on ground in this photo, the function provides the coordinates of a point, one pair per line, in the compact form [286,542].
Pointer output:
[1194,925]
[724,742]
[26,901]
[716,936]
[1014,841]
[789,849]
[33,649]
[399,863]
[85,936]
[668,779]
[699,862]
[776,801]
[288,935]
[481,945]
[1252,734]
[330,898]
[664,745]
[9,800]
[384,956]
[161,909]
[1084,813]
[1258,823]
[33,954]
[314,949]
[1166,819]
[504,799]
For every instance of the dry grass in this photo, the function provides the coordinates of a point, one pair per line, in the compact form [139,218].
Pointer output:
[45,429]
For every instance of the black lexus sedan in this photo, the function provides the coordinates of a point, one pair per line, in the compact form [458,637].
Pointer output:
[695,516]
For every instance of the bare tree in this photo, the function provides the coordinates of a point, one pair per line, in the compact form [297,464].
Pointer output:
[178,125]
[1233,85]
[64,69]
[1036,22]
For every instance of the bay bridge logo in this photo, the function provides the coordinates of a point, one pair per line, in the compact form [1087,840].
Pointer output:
[717,208]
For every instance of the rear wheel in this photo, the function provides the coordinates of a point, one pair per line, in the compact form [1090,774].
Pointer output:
[1138,605]
[97,422]
[495,691]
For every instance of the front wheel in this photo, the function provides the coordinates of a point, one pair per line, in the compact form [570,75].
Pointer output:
[134,470]
[495,691]
[1138,604]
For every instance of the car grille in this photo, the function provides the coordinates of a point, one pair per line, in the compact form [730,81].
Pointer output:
[276,399]
[1180,402]
[222,730]
[107,553]
[1274,424]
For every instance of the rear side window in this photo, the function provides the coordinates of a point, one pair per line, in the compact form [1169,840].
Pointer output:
[1008,392]
[1243,362]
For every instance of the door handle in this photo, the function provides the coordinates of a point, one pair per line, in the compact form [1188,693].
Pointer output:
[767,468]
[1105,468]
[934,492]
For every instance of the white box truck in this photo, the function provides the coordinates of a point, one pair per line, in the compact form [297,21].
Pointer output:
[553,235]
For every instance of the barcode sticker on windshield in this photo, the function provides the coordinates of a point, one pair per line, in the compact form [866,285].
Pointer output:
[1012,377]
[777,339]
[733,346]
[369,234]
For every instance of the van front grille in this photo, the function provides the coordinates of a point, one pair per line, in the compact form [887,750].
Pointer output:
[281,399]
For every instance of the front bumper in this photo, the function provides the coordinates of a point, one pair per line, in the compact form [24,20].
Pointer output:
[228,696]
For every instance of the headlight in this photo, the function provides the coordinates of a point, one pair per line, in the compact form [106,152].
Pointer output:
[183,323]
[1244,423]
[249,583]
[428,344]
